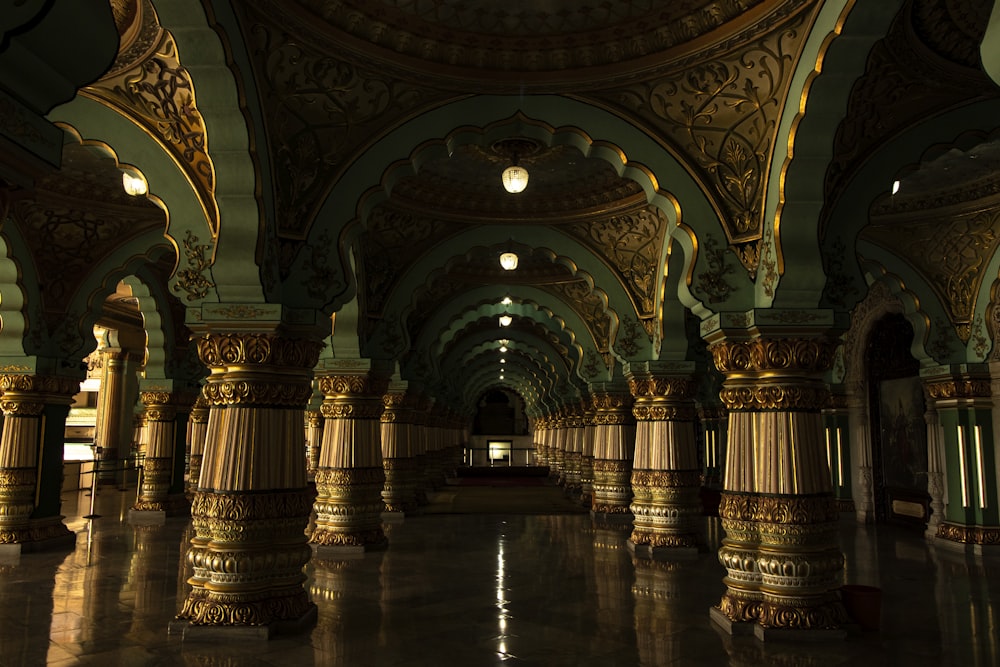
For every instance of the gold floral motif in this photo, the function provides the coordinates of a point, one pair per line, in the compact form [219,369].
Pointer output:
[256,349]
[790,510]
[251,506]
[353,384]
[813,615]
[656,539]
[203,607]
[957,388]
[356,408]
[346,477]
[662,387]
[612,466]
[982,535]
[666,478]
[334,538]
[806,355]
[772,397]
[258,393]
[21,408]
[192,278]
[52,385]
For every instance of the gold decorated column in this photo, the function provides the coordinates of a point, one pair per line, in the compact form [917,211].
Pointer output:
[400,491]
[252,506]
[161,488]
[587,454]
[574,449]
[350,477]
[34,409]
[197,432]
[666,477]
[783,563]
[614,445]
[314,441]
[111,413]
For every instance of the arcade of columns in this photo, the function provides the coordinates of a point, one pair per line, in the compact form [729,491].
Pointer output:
[638,452]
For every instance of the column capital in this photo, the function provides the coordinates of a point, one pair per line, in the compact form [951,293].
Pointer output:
[237,349]
[958,387]
[21,390]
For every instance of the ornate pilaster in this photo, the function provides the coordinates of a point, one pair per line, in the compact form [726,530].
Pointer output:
[614,444]
[314,442]
[350,476]
[160,465]
[587,455]
[251,507]
[34,409]
[400,491]
[665,476]
[110,412]
[780,551]
[963,452]
[574,449]
[197,432]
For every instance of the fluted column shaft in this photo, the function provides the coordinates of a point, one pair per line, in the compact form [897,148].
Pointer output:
[587,456]
[400,491]
[251,507]
[31,458]
[614,446]
[163,458]
[574,449]
[197,432]
[350,476]
[666,477]
[780,518]
[314,441]
[110,412]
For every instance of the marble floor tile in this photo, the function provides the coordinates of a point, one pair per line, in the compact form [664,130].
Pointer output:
[482,589]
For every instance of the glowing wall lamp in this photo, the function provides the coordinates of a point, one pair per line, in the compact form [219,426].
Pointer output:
[134,184]
[508,261]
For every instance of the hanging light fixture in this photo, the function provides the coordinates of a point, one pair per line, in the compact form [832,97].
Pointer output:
[134,184]
[514,177]
[503,348]
[505,320]
[508,261]
[507,301]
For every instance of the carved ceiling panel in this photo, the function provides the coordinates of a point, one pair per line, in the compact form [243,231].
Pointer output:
[148,84]
[928,62]
[720,117]
[950,252]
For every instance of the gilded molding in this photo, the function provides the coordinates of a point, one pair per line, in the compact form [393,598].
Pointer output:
[666,479]
[785,510]
[802,613]
[757,355]
[980,535]
[775,397]
[222,350]
[258,393]
[51,385]
[968,388]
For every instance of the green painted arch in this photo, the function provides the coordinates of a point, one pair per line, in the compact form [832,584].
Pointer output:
[157,322]
[874,179]
[448,325]
[634,155]
[101,281]
[529,347]
[13,322]
[989,51]
[833,58]
[594,272]
[92,123]
[530,389]
[921,313]
[525,362]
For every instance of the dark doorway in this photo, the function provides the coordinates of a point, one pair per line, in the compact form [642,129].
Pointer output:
[898,429]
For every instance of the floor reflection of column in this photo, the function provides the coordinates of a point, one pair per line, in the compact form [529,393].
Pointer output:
[29,607]
[338,624]
[613,581]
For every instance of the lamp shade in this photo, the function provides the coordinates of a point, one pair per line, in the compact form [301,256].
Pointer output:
[508,261]
[515,179]
[134,185]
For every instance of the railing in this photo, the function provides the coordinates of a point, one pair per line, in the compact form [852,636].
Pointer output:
[494,457]
[101,466]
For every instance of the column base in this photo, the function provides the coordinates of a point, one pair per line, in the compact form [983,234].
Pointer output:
[662,553]
[49,534]
[729,626]
[238,633]
[147,517]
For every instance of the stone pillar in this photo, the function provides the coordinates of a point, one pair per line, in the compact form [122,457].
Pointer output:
[314,442]
[666,477]
[863,492]
[962,396]
[350,477]
[587,455]
[252,506]
[400,491]
[780,551]
[614,445]
[574,449]
[111,414]
[31,464]
[197,433]
[161,488]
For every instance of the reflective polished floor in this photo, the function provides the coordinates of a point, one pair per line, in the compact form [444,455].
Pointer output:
[481,589]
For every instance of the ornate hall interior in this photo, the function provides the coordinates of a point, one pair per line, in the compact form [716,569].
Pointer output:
[716,281]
